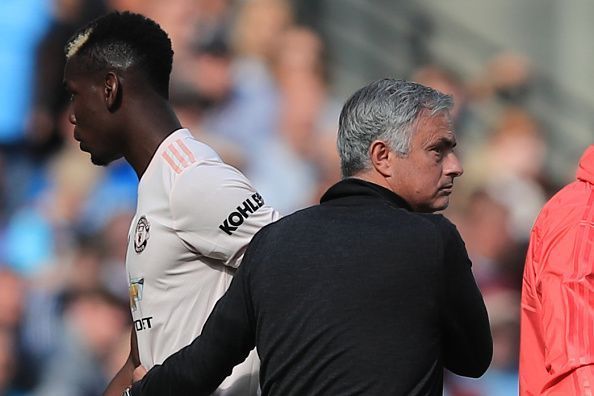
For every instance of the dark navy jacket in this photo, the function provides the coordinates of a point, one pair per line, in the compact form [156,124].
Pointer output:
[356,296]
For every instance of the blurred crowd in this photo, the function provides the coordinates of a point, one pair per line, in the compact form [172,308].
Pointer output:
[254,83]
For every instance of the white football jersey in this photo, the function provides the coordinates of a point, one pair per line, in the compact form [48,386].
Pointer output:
[194,220]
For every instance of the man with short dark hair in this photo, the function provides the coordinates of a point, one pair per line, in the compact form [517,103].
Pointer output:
[195,214]
[367,293]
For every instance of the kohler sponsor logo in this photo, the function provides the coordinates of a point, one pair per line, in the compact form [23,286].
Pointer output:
[242,212]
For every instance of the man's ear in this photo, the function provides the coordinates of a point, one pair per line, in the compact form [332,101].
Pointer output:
[112,91]
[380,155]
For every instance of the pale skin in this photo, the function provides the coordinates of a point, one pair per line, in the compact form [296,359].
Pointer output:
[425,176]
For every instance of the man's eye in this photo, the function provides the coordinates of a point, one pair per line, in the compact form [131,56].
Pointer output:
[438,152]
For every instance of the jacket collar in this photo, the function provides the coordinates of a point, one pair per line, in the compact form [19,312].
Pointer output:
[585,170]
[352,187]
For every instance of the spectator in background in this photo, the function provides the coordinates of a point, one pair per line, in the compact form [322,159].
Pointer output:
[16,364]
[506,80]
[557,325]
[448,82]
[507,75]
[307,116]
[484,225]
[15,373]
[249,114]
[517,141]
[215,18]
[206,89]
[93,323]
[8,362]
[80,269]
[12,299]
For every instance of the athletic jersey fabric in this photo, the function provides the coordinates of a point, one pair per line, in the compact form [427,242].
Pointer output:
[194,220]
[557,324]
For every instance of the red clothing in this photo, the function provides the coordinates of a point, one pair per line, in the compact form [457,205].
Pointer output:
[557,328]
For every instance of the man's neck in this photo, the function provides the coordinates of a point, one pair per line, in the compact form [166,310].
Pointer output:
[152,125]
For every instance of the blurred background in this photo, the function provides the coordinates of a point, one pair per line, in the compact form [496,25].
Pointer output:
[263,81]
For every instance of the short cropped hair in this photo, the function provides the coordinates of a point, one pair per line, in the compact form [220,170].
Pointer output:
[124,40]
[383,110]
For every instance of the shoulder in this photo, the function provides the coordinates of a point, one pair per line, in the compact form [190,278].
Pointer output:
[181,151]
[437,220]
[217,192]
[431,222]
[221,195]
[444,228]
[209,178]
[566,208]
[289,224]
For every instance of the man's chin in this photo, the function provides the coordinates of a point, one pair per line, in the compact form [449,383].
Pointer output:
[99,161]
[441,204]
[437,206]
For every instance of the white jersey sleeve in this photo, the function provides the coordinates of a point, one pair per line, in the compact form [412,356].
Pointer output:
[229,209]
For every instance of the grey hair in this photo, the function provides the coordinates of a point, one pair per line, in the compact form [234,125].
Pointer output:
[383,110]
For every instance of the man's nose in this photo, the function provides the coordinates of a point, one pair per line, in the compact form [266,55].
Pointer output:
[454,166]
[72,118]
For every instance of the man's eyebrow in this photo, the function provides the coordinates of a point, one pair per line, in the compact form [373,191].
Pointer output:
[444,141]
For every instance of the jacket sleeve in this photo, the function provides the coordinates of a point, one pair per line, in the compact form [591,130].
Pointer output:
[227,338]
[564,291]
[467,342]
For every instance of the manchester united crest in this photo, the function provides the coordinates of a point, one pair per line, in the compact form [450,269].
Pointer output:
[141,234]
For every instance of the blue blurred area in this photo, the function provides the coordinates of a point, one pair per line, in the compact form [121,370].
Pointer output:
[22,25]
[116,192]
[28,242]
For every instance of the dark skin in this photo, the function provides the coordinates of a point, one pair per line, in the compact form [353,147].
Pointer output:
[116,113]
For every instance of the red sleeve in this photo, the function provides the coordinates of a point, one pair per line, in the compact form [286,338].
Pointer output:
[566,293]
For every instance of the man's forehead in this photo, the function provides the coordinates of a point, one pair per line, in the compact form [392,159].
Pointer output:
[76,69]
[439,138]
[71,69]
[439,126]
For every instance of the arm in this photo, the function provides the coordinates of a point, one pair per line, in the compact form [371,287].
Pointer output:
[226,340]
[230,211]
[566,312]
[467,343]
[124,377]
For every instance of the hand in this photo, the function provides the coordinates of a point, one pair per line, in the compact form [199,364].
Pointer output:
[138,373]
